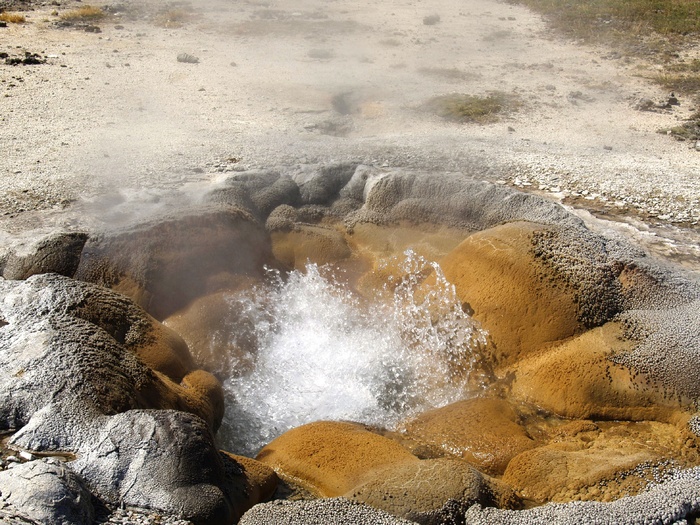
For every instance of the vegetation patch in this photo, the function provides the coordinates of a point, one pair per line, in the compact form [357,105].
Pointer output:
[627,19]
[87,13]
[12,18]
[689,130]
[658,30]
[459,107]
[449,74]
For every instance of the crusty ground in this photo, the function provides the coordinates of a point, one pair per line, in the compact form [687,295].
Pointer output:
[113,115]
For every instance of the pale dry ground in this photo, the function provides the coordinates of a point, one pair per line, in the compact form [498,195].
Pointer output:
[114,117]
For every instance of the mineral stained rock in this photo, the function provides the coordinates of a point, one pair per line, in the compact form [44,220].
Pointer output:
[329,458]
[419,491]
[57,252]
[166,263]
[485,432]
[581,326]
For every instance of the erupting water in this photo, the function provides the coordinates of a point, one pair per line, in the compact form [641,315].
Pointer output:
[325,353]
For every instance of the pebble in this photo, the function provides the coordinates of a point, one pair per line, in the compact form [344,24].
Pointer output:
[28,456]
[187,58]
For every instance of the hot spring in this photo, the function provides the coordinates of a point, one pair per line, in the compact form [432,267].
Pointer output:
[419,342]
[324,352]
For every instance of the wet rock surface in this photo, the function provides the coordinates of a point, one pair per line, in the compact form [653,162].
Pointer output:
[484,432]
[330,458]
[428,491]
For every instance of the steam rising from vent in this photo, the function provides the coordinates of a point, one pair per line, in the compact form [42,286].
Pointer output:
[325,353]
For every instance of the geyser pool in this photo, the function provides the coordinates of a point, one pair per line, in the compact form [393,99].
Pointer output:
[324,352]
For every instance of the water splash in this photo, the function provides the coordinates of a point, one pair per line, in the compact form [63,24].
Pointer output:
[322,352]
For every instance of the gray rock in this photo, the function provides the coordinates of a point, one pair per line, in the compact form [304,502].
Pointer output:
[187,58]
[667,348]
[47,492]
[332,511]
[165,460]
[258,192]
[324,185]
[72,383]
[453,200]
[667,503]
[53,253]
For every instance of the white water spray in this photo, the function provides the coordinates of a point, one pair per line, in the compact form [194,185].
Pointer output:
[323,353]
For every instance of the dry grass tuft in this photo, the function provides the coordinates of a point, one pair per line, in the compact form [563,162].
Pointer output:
[684,83]
[85,13]
[459,107]
[12,18]
[689,130]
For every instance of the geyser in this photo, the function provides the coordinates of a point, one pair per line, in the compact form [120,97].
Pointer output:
[560,366]
[325,353]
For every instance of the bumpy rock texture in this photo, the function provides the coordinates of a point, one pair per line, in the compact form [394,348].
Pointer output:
[81,366]
[56,252]
[674,502]
[334,511]
[46,492]
[580,326]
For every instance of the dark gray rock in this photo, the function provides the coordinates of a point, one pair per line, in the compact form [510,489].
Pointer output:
[165,460]
[324,186]
[47,492]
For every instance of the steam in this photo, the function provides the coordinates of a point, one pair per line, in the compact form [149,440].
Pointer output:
[323,353]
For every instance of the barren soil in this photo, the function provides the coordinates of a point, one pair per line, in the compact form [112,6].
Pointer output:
[113,116]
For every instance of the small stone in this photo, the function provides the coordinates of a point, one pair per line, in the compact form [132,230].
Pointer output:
[187,58]
[12,459]
[26,455]
[697,146]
